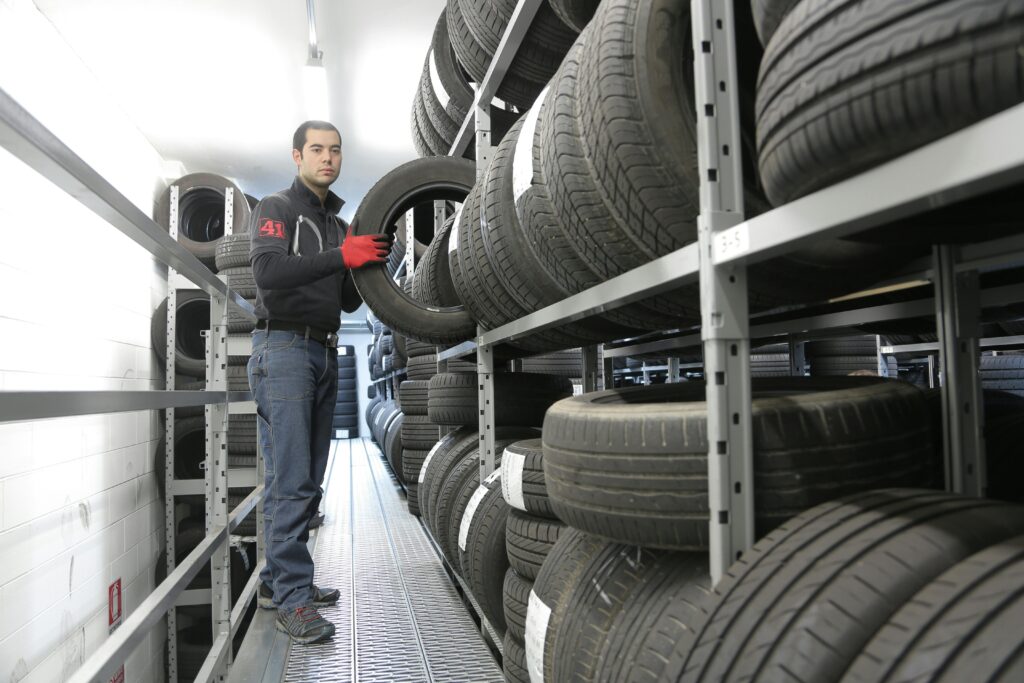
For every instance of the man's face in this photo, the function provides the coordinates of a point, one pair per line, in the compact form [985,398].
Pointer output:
[320,158]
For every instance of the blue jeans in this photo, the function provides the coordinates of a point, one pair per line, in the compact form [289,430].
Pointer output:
[294,381]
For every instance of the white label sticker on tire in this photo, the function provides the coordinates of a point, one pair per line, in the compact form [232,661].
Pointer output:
[467,517]
[522,155]
[435,80]
[537,616]
[453,234]
[512,479]
[430,456]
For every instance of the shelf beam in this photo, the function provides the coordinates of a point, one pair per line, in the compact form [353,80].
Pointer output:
[961,165]
[41,405]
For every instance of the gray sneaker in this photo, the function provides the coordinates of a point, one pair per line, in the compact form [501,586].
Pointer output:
[304,625]
[322,597]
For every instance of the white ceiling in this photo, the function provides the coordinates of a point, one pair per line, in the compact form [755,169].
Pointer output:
[218,84]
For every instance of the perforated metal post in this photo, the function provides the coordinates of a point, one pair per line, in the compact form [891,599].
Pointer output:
[883,365]
[169,521]
[958,323]
[797,357]
[673,370]
[608,373]
[724,310]
[589,358]
[485,384]
[484,147]
[217,466]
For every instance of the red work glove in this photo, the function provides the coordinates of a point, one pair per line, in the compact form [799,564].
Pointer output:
[360,250]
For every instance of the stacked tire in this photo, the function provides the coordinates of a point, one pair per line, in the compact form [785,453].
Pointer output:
[845,356]
[626,471]
[346,409]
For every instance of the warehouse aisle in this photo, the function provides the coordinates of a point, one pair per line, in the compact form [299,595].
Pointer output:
[399,617]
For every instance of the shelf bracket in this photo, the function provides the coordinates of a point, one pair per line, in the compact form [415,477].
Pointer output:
[485,385]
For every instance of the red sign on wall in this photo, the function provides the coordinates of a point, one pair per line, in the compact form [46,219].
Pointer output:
[114,612]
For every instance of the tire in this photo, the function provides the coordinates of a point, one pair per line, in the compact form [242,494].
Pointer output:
[414,182]
[192,316]
[659,614]
[415,349]
[233,251]
[832,366]
[828,580]
[575,14]
[631,464]
[453,499]
[598,170]
[451,86]
[962,626]
[412,461]
[568,363]
[835,75]
[433,283]
[482,553]
[393,445]
[421,368]
[529,540]
[551,593]
[446,127]
[190,448]
[516,278]
[237,378]
[418,432]
[413,394]
[434,142]
[201,213]
[411,494]
[522,479]
[516,591]
[441,459]
[513,663]
[476,59]
[524,398]
[561,272]
[612,581]
[238,323]
[852,346]
[241,280]
[768,14]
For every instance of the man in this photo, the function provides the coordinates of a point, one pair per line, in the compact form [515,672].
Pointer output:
[301,255]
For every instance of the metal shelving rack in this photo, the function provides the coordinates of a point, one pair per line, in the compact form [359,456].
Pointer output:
[959,166]
[26,138]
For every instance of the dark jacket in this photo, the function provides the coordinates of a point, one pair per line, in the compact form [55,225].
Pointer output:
[296,260]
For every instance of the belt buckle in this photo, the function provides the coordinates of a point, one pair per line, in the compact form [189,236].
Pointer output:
[332,340]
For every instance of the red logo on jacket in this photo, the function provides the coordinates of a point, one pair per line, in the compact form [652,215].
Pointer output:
[272,228]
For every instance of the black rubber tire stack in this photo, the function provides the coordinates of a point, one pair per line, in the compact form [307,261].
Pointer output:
[845,356]
[346,409]
[201,213]
[770,361]
[531,531]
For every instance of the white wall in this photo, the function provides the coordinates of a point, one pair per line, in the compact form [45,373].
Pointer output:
[79,505]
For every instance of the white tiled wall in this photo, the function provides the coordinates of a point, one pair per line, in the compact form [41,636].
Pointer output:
[79,504]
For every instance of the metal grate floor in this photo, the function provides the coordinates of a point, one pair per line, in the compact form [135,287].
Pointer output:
[399,617]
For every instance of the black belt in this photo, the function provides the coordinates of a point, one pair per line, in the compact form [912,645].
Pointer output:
[314,333]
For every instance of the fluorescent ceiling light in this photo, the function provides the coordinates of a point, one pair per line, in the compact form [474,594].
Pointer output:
[314,89]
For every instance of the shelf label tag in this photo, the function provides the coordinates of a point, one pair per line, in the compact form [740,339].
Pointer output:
[537,616]
[512,479]
[730,243]
[467,517]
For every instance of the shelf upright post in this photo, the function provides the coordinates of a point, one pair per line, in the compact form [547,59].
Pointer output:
[485,386]
[958,310]
[673,370]
[484,148]
[589,354]
[608,373]
[723,289]
[169,521]
[217,459]
[883,366]
[797,357]
[410,247]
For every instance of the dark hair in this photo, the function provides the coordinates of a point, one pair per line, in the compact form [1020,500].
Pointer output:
[299,139]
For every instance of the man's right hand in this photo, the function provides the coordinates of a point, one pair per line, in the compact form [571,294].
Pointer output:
[360,250]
